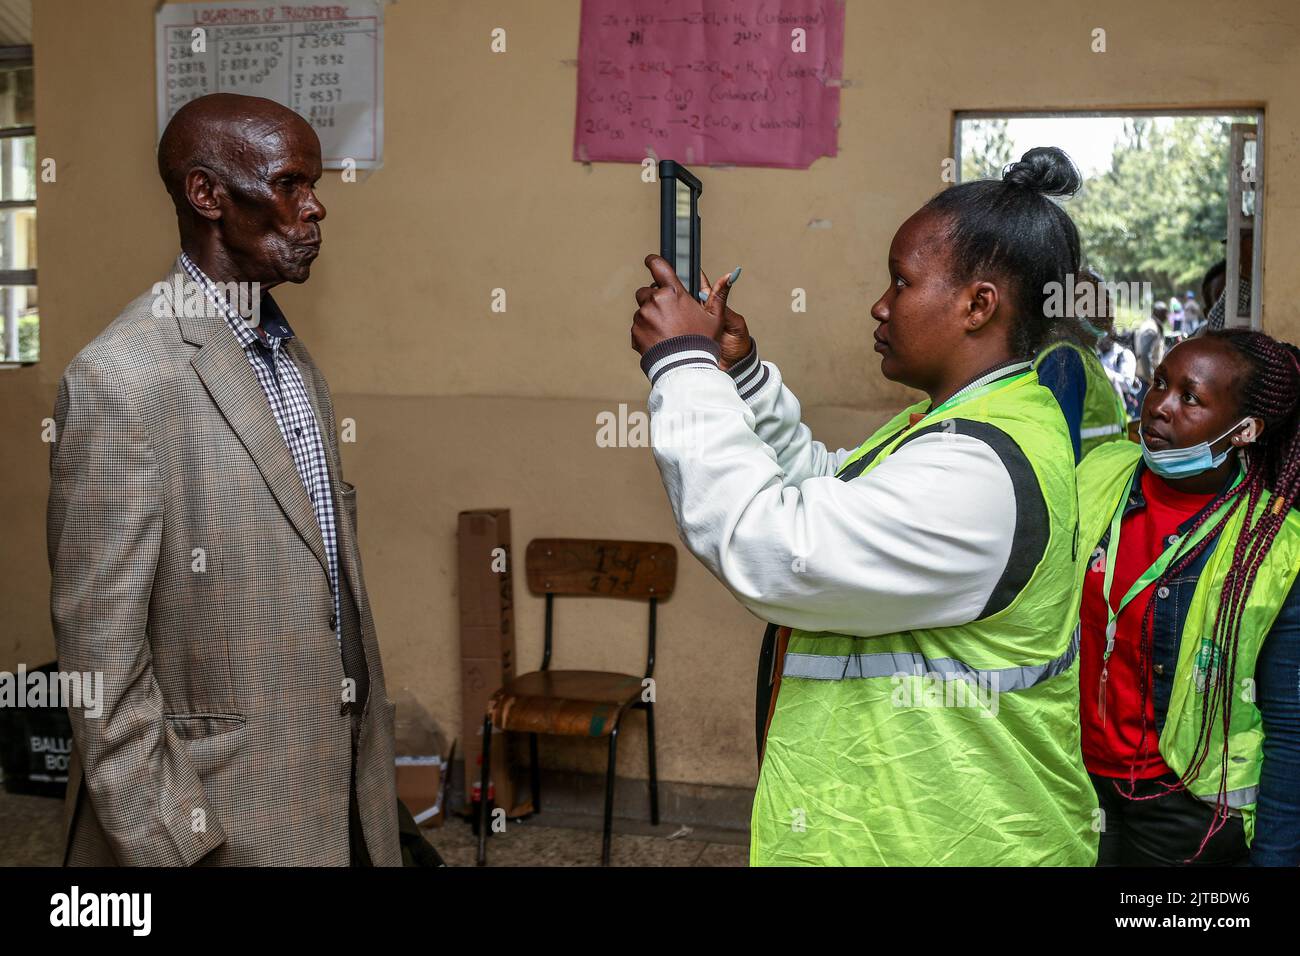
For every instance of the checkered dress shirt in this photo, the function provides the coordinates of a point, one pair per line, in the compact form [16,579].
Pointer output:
[287,396]
[1218,314]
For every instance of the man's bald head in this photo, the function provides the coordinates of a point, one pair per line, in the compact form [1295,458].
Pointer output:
[242,171]
[227,133]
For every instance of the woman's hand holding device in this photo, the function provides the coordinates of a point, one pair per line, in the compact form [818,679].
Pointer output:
[669,307]
[734,337]
[666,309]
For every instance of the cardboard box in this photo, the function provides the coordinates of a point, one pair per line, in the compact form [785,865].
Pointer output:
[479,643]
[487,643]
[486,590]
[419,786]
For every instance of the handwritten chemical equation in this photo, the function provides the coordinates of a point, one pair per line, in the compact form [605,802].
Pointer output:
[743,82]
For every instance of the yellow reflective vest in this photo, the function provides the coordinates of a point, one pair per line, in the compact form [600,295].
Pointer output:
[1104,478]
[952,746]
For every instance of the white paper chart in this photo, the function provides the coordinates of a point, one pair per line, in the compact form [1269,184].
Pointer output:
[324,61]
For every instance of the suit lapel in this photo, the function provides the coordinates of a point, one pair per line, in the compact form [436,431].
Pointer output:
[222,366]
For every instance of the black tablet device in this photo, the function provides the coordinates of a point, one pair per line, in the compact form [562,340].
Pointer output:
[679,222]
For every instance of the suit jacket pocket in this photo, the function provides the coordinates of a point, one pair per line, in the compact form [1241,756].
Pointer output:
[198,726]
[211,740]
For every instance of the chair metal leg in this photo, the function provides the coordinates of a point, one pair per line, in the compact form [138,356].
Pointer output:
[654,777]
[535,772]
[483,792]
[609,797]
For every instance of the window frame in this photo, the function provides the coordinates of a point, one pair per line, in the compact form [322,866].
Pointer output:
[16,55]
[1256,111]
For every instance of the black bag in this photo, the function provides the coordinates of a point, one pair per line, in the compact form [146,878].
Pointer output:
[416,850]
[35,746]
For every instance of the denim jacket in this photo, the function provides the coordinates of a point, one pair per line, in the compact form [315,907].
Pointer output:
[1277,690]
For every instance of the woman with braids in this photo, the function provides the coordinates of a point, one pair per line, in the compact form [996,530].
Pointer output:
[1190,653]
[922,704]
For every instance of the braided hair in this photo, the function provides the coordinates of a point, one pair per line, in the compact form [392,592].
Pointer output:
[1271,392]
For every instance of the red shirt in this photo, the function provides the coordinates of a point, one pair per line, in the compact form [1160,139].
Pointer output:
[1110,750]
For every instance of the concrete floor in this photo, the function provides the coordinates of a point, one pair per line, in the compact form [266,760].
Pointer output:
[31,835]
[31,830]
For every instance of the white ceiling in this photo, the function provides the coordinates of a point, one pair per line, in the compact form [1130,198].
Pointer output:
[15,22]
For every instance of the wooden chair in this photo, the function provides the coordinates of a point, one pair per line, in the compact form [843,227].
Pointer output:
[582,703]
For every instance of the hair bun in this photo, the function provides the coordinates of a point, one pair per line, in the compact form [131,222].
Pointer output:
[1046,170]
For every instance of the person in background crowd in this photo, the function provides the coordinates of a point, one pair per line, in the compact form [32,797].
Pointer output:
[944,547]
[1219,314]
[1212,285]
[1191,612]
[1149,341]
[1175,315]
[1193,317]
[1072,371]
[1121,369]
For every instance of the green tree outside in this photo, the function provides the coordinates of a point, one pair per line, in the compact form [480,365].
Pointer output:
[1158,215]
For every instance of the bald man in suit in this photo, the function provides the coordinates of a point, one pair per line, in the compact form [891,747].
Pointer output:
[202,541]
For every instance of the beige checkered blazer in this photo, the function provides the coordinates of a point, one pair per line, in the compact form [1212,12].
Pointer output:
[189,570]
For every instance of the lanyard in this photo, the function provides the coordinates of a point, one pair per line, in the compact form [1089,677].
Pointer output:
[1179,545]
[968,394]
[962,396]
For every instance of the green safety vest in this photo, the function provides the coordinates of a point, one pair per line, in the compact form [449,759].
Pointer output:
[1104,480]
[953,745]
[1105,419]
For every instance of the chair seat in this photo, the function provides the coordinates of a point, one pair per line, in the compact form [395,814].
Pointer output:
[570,703]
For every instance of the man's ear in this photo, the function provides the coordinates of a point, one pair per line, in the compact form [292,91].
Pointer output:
[981,303]
[204,191]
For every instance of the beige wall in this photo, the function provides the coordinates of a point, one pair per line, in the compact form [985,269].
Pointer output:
[459,407]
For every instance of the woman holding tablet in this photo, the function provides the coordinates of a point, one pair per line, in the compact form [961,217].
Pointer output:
[1191,613]
[927,709]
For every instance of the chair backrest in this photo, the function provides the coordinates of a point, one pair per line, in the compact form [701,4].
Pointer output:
[589,567]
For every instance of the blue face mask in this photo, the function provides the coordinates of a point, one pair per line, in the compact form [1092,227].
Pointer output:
[1185,462]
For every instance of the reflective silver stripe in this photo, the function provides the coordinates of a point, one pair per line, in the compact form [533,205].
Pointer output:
[887,664]
[1100,430]
[1236,798]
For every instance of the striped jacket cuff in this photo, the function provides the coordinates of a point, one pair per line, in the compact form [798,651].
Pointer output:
[680,350]
[749,373]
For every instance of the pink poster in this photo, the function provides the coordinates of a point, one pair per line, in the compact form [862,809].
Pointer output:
[709,82]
